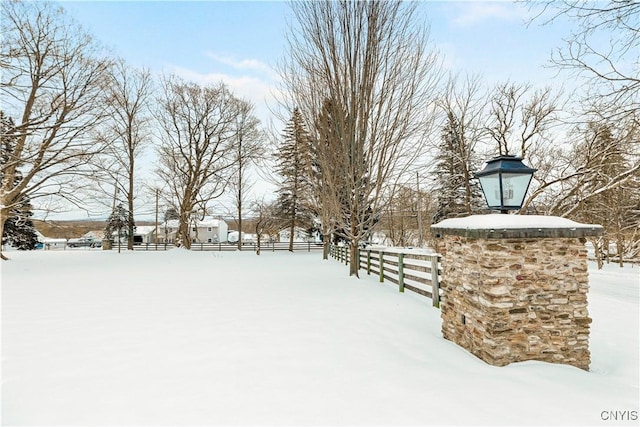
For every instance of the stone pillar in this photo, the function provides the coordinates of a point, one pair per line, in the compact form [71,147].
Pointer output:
[515,288]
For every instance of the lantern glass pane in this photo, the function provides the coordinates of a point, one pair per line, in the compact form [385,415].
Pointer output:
[491,189]
[514,188]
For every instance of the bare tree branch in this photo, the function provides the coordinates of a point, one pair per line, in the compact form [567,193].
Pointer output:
[52,82]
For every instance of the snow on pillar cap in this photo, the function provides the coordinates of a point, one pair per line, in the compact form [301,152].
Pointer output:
[499,226]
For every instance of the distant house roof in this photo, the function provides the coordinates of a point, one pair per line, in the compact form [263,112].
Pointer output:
[96,234]
[42,239]
[144,230]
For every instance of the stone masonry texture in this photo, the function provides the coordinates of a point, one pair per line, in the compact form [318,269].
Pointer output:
[511,300]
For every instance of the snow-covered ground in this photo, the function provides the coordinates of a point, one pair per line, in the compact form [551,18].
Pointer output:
[206,338]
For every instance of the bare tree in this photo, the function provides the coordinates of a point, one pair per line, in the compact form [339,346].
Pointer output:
[573,176]
[519,121]
[197,146]
[607,191]
[401,218]
[249,150]
[371,60]
[52,82]
[328,182]
[266,221]
[127,131]
[604,49]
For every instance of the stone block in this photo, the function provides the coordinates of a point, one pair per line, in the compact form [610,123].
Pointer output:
[523,299]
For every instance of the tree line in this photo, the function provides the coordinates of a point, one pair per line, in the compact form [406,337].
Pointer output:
[376,135]
[375,116]
[75,121]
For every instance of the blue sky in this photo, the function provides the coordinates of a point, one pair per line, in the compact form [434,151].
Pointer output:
[239,41]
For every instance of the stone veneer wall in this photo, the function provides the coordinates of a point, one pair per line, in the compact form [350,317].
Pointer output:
[510,300]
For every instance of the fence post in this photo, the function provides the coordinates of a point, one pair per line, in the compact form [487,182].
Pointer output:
[368,261]
[358,259]
[435,284]
[381,266]
[401,272]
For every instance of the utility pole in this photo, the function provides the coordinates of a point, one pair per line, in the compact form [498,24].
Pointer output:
[115,194]
[155,233]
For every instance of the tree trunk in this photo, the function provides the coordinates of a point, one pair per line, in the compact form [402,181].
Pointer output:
[353,262]
[291,231]
[239,194]
[130,230]
[355,235]
[325,248]
[239,228]
[597,253]
[130,201]
[183,237]
[620,249]
[4,215]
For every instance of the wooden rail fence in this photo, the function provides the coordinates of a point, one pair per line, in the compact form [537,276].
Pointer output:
[221,247]
[417,272]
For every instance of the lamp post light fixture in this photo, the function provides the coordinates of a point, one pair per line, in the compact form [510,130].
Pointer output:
[504,182]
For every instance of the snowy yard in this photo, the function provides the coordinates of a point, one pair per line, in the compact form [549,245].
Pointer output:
[206,338]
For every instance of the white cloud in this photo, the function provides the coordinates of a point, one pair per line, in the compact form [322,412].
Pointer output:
[471,13]
[243,64]
[261,92]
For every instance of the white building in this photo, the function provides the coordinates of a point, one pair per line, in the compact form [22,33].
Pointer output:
[209,230]
[299,235]
[49,244]
[144,234]
[247,238]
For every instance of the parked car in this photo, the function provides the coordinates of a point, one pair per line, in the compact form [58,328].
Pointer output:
[84,242]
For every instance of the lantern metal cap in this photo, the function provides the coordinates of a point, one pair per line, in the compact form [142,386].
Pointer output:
[505,163]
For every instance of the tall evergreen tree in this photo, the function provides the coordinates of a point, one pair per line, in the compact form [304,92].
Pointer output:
[119,224]
[294,166]
[458,193]
[18,231]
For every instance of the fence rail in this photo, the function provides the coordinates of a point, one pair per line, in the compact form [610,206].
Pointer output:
[220,247]
[417,272]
